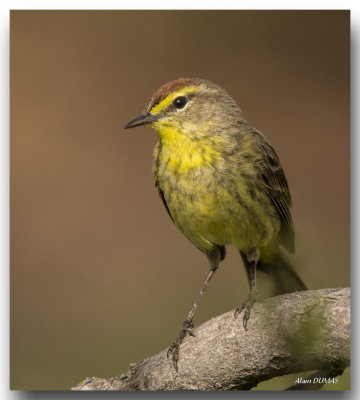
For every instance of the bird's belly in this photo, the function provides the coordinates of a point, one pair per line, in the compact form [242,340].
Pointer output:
[208,212]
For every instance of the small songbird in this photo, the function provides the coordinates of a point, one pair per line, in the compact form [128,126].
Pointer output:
[222,184]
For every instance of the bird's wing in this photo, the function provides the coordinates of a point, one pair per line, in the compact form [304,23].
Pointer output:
[157,150]
[277,188]
[162,197]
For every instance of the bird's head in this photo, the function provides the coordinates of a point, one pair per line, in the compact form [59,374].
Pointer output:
[189,106]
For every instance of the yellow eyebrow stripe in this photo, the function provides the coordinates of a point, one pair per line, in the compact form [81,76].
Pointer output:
[171,97]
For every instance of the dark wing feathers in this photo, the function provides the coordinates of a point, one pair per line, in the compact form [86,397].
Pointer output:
[156,162]
[162,197]
[277,188]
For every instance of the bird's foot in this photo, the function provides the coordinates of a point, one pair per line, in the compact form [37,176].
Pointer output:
[247,306]
[174,348]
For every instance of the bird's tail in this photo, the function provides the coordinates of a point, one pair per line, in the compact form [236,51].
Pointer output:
[277,276]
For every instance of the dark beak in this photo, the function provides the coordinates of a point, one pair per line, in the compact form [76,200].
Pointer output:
[143,119]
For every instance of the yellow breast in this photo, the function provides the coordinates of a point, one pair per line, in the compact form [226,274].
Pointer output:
[182,153]
[203,196]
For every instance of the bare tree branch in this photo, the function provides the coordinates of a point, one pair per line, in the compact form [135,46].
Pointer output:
[286,334]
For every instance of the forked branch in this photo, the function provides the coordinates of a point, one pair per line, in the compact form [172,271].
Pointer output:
[286,334]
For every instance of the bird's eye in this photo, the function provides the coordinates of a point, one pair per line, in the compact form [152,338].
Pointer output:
[180,102]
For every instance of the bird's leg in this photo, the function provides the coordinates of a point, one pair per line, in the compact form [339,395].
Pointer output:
[253,258]
[188,324]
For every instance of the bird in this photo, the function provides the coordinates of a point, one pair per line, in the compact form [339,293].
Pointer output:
[222,184]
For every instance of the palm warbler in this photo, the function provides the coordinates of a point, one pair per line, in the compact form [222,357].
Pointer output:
[222,184]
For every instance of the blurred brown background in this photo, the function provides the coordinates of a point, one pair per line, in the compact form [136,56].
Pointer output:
[100,277]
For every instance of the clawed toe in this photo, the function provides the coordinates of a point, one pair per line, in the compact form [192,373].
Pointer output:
[247,306]
[175,347]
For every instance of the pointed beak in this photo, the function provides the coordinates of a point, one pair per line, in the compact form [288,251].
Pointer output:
[143,119]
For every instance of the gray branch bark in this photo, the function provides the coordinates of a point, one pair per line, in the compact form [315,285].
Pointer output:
[286,334]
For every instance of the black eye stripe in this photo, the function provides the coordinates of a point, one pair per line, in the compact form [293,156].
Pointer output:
[180,102]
